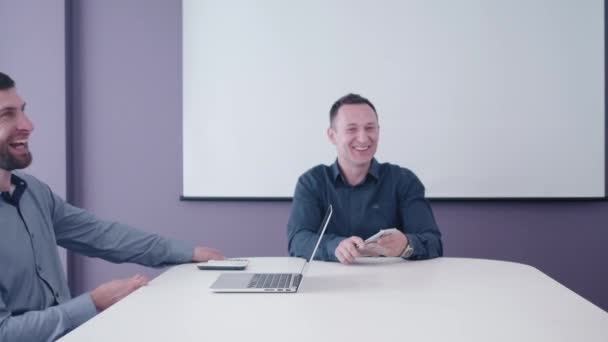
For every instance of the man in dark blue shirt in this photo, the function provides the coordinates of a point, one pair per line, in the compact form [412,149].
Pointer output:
[367,196]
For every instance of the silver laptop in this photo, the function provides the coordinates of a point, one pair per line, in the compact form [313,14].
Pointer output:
[268,282]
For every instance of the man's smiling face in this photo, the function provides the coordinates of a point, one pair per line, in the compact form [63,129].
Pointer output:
[15,129]
[355,133]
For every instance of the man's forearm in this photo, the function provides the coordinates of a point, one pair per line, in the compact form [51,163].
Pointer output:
[303,242]
[46,325]
[426,245]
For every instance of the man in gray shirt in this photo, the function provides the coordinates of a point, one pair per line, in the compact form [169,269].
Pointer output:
[35,302]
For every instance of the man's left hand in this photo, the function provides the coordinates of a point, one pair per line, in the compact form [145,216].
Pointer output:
[393,244]
[202,254]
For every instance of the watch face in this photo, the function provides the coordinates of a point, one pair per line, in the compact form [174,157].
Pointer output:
[408,251]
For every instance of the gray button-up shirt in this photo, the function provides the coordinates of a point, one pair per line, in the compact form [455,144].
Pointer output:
[35,302]
[389,197]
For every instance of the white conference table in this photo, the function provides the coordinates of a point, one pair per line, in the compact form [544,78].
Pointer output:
[377,299]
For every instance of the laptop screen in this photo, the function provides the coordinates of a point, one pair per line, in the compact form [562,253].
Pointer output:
[323,227]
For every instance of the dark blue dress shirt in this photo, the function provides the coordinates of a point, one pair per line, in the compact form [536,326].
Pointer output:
[389,197]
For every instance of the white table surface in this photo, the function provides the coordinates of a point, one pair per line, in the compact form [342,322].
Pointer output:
[378,299]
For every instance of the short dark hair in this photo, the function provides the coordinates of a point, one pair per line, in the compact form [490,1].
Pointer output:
[6,82]
[348,99]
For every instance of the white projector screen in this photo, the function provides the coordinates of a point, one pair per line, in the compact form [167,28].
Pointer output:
[481,99]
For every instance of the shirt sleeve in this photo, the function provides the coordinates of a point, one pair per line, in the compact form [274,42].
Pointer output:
[305,218]
[80,231]
[48,324]
[419,223]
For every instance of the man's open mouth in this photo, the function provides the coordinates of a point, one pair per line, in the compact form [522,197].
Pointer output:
[20,145]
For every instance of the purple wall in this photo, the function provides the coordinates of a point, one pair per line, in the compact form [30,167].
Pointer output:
[34,56]
[127,144]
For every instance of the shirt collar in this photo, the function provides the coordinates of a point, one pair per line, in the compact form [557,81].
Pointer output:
[374,170]
[335,170]
[20,186]
[17,181]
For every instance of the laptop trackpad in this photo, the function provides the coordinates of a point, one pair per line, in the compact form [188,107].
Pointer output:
[232,281]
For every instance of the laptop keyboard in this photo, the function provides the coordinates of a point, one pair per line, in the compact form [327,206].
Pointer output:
[274,280]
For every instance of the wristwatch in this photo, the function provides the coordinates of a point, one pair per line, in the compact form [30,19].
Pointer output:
[408,251]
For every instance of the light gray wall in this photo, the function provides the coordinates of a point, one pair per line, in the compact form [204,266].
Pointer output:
[127,138]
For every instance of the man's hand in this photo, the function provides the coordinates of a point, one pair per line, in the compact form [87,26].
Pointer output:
[372,249]
[348,250]
[202,254]
[393,244]
[109,293]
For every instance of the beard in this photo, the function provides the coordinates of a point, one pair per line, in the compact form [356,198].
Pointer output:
[11,162]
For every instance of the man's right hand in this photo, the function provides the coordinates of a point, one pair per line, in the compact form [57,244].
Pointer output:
[348,250]
[111,292]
